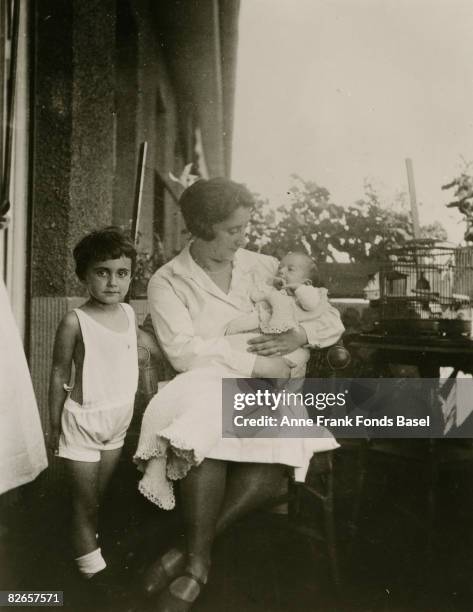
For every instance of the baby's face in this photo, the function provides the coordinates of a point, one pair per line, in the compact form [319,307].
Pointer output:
[294,268]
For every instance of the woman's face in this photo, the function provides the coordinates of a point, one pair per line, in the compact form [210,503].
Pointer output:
[230,235]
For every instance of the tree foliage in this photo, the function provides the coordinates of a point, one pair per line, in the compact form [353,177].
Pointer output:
[463,197]
[323,229]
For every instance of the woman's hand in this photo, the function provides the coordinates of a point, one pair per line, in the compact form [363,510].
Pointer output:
[271,367]
[269,345]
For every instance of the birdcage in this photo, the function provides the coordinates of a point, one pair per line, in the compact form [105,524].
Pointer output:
[426,287]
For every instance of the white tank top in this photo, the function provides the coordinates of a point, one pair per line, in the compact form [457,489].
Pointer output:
[110,369]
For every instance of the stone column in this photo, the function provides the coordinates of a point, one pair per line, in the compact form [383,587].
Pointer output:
[74,134]
[73,159]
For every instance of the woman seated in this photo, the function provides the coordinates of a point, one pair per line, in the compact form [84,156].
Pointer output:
[192,299]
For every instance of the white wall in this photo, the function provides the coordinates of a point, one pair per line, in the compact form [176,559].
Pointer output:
[13,244]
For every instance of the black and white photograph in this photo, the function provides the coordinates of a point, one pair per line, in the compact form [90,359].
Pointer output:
[236,305]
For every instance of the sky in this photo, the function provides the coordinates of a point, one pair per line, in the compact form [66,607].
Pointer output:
[343,91]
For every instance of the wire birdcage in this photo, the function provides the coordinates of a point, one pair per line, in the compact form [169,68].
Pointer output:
[426,287]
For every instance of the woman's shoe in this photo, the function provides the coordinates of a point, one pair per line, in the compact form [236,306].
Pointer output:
[181,593]
[161,572]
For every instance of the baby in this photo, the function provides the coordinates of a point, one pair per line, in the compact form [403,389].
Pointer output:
[294,296]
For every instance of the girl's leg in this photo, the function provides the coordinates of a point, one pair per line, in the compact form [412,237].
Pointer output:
[248,487]
[108,463]
[85,505]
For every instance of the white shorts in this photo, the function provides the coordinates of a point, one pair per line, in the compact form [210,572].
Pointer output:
[85,432]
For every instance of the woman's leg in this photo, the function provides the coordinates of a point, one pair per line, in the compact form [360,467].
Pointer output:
[210,503]
[201,497]
[202,492]
[217,493]
[248,487]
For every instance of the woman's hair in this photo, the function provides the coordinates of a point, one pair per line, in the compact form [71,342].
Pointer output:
[207,202]
[107,243]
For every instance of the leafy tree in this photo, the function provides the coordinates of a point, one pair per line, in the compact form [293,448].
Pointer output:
[314,224]
[434,230]
[463,197]
[307,224]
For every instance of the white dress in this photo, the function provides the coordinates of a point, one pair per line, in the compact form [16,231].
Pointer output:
[182,425]
[22,450]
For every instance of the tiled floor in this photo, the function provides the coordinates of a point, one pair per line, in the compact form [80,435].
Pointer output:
[260,566]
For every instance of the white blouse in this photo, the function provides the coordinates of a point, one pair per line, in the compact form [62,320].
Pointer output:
[190,312]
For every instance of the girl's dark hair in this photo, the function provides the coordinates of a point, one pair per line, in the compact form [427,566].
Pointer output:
[207,202]
[107,243]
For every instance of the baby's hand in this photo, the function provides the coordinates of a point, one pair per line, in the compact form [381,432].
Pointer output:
[278,283]
[291,287]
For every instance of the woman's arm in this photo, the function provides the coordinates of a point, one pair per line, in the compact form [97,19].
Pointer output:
[64,345]
[175,329]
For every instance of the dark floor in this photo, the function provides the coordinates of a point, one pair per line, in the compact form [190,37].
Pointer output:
[387,565]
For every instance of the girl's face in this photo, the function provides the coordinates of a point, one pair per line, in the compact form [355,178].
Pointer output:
[230,235]
[108,281]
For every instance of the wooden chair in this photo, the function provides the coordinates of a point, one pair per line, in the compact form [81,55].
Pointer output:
[304,500]
[311,509]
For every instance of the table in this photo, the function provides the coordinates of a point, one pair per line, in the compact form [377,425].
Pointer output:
[432,457]
[427,353]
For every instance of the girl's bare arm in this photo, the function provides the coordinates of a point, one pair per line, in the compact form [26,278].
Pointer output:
[67,335]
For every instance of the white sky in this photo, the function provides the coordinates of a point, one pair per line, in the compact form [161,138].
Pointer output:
[342,90]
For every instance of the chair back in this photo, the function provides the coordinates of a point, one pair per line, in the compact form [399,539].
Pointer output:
[153,363]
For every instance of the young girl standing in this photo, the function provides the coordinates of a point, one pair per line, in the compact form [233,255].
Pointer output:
[89,419]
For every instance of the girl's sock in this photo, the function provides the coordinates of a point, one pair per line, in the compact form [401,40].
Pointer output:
[91,563]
